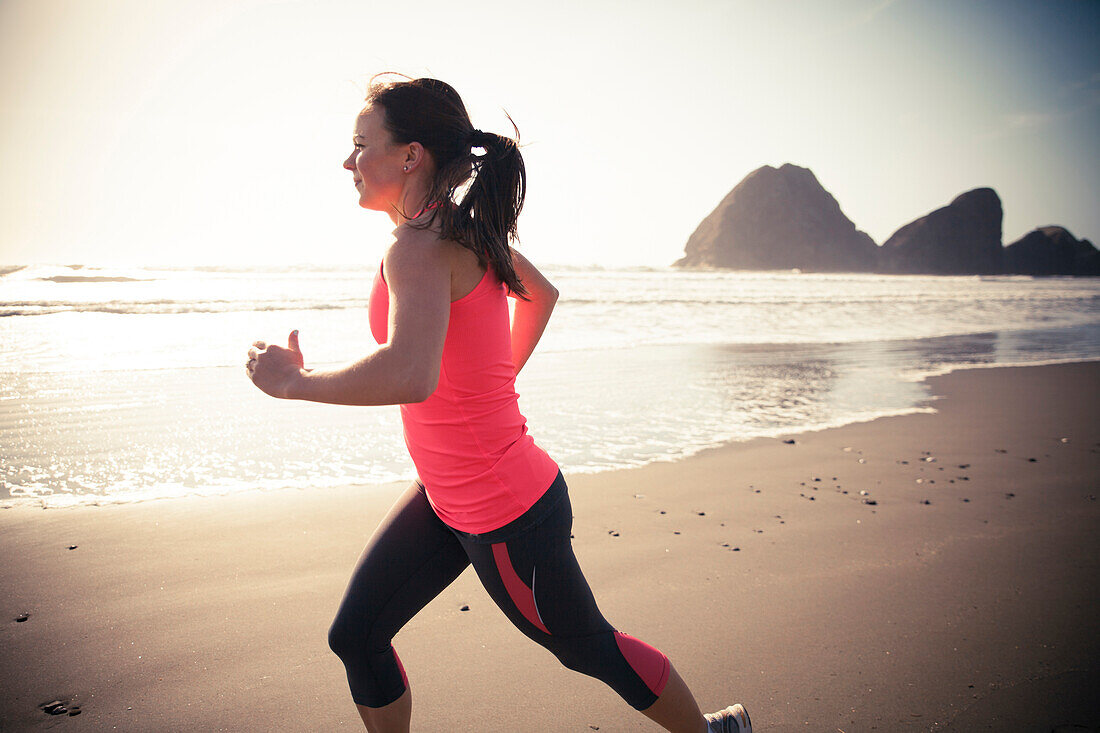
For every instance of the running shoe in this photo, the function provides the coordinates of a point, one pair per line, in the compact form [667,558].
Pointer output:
[733,719]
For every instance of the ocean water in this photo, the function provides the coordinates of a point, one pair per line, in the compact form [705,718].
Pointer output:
[124,384]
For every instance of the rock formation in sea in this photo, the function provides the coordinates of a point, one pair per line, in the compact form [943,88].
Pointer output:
[962,238]
[783,219]
[1051,250]
[779,219]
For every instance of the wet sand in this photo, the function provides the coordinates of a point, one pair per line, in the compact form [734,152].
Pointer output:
[962,599]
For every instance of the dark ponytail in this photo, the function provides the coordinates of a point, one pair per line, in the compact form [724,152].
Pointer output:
[483,220]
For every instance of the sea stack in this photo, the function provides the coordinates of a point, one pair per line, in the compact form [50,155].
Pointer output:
[1051,250]
[779,219]
[962,238]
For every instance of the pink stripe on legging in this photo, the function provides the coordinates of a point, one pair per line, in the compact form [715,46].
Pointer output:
[404,677]
[521,595]
[649,663]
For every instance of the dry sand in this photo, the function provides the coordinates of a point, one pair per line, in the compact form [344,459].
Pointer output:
[757,567]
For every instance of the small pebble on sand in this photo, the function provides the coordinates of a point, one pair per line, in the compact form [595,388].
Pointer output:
[464,608]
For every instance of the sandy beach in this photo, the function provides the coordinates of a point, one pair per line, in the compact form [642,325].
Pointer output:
[959,593]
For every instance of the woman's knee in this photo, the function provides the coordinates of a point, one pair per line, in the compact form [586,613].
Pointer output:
[350,636]
[585,654]
[341,639]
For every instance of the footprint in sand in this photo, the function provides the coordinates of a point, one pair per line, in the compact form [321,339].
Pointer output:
[58,707]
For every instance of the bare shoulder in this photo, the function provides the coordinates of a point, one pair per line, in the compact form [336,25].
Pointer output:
[416,253]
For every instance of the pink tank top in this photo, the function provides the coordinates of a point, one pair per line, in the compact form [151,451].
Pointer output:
[468,440]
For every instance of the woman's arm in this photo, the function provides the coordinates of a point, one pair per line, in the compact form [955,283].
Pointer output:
[531,316]
[403,370]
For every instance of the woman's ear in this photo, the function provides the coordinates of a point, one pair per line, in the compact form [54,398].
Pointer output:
[414,156]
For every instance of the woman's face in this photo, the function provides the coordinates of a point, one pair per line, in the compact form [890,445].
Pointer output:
[376,162]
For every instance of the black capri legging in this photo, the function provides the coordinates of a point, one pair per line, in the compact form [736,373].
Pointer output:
[529,570]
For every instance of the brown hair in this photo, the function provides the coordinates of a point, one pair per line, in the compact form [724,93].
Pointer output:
[430,112]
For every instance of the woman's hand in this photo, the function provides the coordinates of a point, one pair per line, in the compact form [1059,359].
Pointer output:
[274,369]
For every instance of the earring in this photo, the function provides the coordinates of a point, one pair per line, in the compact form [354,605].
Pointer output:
[406,169]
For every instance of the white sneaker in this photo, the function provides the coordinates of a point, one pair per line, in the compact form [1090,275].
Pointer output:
[733,719]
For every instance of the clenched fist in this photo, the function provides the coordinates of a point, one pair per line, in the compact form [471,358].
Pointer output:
[274,369]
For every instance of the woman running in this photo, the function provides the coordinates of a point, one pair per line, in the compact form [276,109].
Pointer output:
[486,494]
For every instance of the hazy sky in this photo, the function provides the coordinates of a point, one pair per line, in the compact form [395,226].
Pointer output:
[184,131]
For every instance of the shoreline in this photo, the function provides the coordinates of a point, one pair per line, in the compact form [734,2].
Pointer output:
[763,585]
[926,404]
